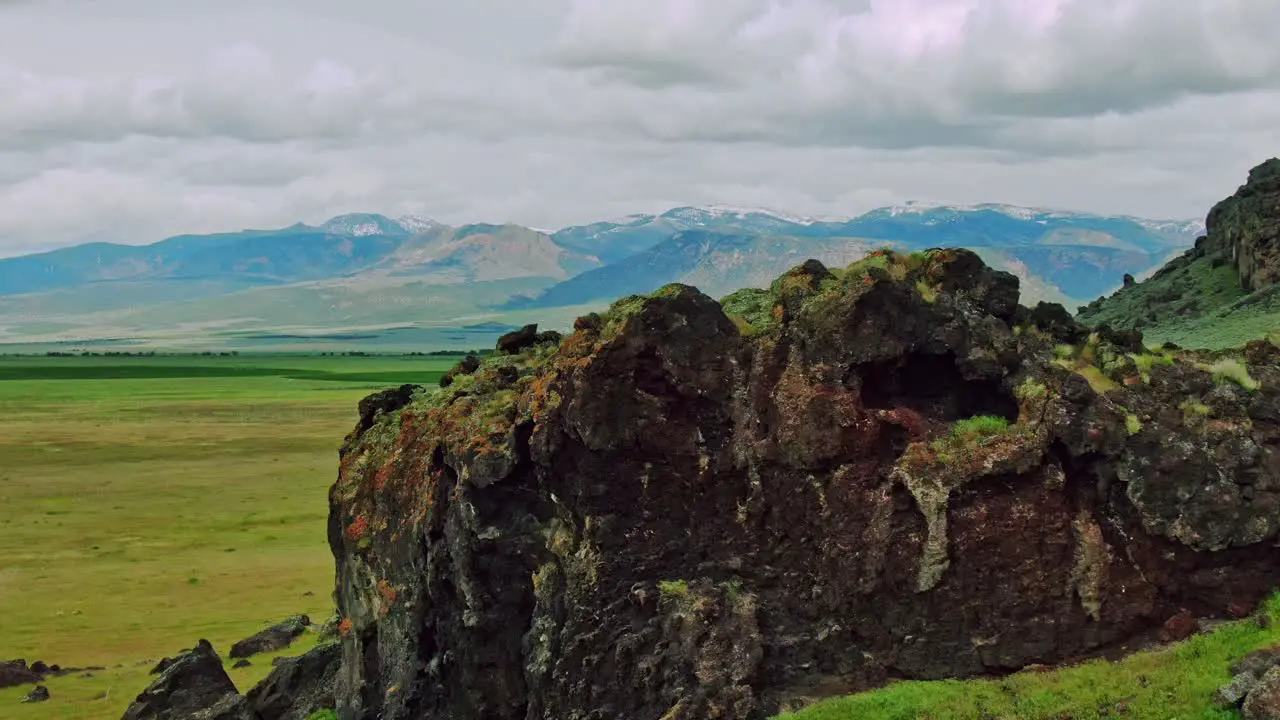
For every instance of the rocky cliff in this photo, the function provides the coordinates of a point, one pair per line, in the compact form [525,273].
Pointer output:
[1221,292]
[889,470]
[1246,227]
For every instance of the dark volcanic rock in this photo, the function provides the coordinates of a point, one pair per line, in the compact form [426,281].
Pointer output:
[1263,702]
[517,340]
[39,694]
[1180,627]
[384,402]
[15,672]
[277,637]
[194,687]
[241,663]
[667,518]
[1246,227]
[298,686]
[466,366]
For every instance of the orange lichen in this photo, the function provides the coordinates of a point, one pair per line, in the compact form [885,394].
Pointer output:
[387,594]
[344,627]
[358,528]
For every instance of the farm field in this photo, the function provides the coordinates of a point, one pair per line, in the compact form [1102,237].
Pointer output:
[148,502]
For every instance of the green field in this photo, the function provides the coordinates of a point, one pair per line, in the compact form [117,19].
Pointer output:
[146,503]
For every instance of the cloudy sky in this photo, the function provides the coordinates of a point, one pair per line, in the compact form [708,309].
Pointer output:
[132,120]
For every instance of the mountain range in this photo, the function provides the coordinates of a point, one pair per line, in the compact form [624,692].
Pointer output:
[372,272]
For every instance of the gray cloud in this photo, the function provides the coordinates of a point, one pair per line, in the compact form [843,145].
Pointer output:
[218,116]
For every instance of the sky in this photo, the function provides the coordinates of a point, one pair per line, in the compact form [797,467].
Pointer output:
[134,120]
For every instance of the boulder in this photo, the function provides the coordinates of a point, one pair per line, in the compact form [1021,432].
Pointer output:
[192,687]
[277,637]
[298,687]
[1263,702]
[517,340]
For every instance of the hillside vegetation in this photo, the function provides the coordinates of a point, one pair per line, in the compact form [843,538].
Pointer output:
[1222,292]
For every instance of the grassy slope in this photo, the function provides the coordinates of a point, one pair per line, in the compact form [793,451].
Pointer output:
[1176,682]
[1195,303]
[148,503]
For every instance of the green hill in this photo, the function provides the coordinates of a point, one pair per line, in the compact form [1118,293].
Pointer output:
[1220,293]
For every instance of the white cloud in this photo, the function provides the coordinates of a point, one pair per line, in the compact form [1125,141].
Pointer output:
[217,116]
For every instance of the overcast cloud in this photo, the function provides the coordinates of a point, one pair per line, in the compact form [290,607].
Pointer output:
[132,120]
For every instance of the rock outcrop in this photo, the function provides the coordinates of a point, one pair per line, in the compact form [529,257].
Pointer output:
[193,687]
[891,470]
[1246,227]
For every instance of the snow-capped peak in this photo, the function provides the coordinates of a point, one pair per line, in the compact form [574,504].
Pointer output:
[416,223]
[734,212]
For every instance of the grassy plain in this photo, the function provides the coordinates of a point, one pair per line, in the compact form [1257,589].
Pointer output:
[1172,683]
[146,503]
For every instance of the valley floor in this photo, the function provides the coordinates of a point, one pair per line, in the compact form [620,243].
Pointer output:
[146,503]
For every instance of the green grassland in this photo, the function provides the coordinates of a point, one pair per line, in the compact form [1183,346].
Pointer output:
[1172,683]
[1196,302]
[146,503]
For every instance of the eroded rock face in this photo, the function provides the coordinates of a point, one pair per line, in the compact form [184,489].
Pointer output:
[676,514]
[1245,227]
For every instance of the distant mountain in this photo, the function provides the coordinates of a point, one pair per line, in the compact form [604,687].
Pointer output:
[715,261]
[365,268]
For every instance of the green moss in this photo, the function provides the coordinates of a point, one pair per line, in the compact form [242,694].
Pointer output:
[1132,424]
[674,588]
[976,428]
[754,308]
[1031,390]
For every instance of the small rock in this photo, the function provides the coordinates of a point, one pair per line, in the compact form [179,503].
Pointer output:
[1263,702]
[276,637]
[39,668]
[1233,693]
[1180,627]
[308,593]
[40,694]
[241,663]
[1258,662]
[15,673]
[164,664]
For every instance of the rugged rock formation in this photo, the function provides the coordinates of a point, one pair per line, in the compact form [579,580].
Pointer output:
[1246,227]
[193,686]
[676,514]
